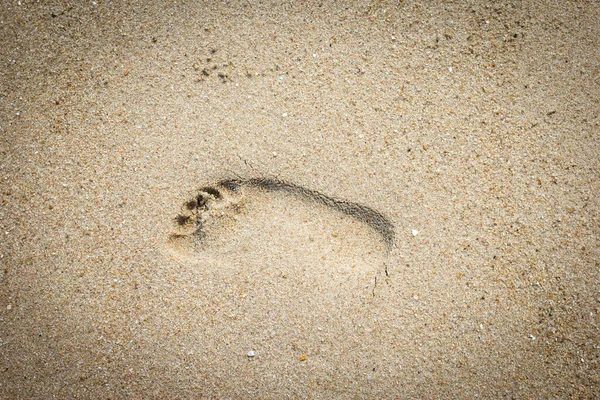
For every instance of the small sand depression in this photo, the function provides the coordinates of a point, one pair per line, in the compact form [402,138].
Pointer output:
[290,232]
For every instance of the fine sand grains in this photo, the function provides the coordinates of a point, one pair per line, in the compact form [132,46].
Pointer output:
[413,211]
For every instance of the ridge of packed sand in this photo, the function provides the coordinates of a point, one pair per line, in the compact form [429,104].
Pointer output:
[473,128]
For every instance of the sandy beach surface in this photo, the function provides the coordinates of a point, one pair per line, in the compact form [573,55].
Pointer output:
[129,269]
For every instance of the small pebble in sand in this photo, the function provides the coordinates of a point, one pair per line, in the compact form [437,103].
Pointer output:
[415,232]
[251,354]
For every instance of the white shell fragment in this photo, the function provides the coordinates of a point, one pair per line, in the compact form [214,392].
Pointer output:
[251,354]
[414,232]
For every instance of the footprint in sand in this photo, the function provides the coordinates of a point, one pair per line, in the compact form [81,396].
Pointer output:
[266,217]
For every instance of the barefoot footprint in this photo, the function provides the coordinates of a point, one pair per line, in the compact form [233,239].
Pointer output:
[217,208]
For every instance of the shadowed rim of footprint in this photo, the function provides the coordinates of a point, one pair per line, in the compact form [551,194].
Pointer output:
[360,212]
[197,209]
